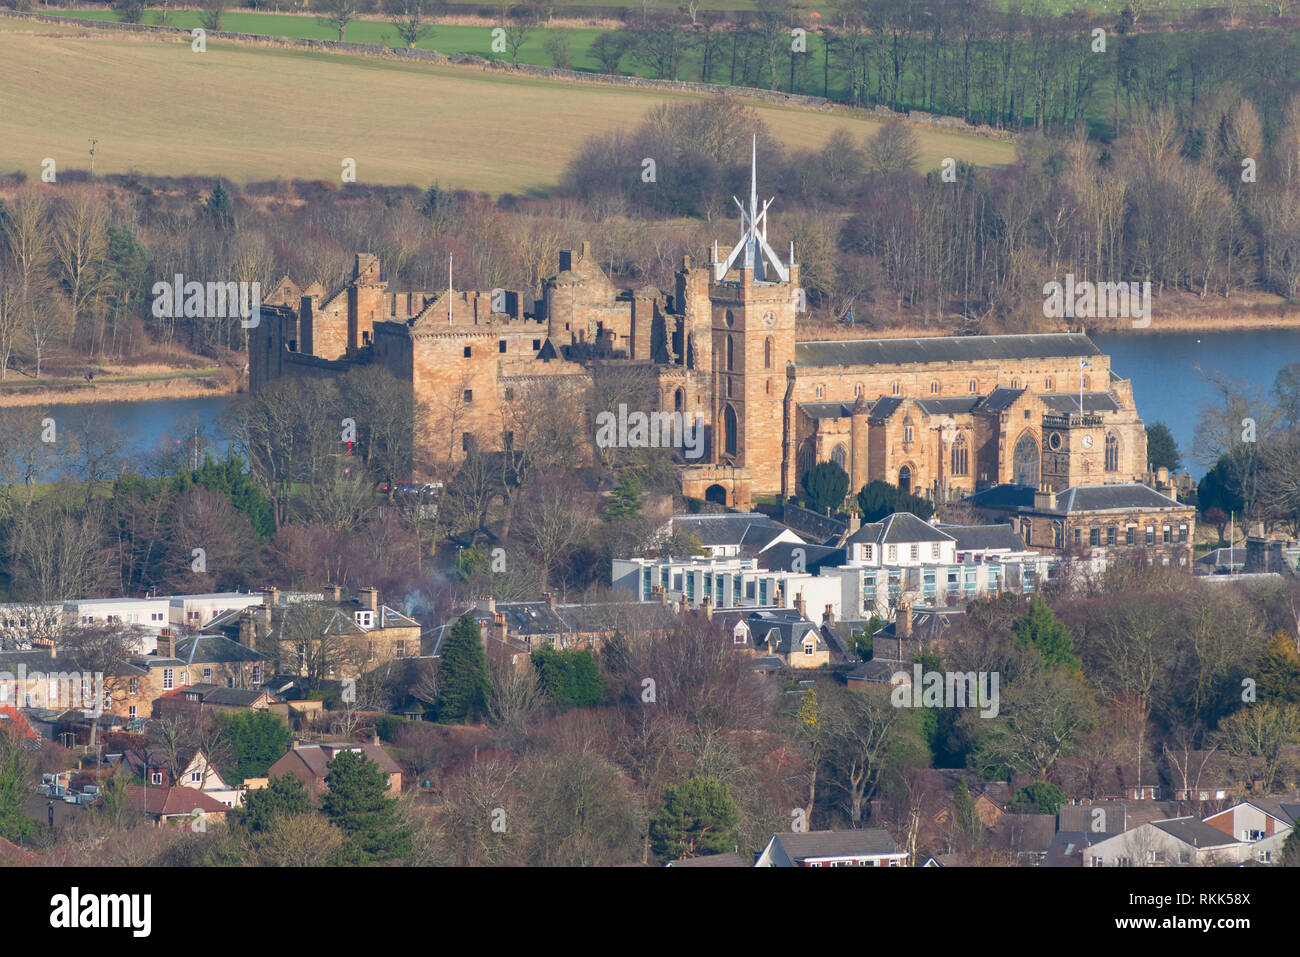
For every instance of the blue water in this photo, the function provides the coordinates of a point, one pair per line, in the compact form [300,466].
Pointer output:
[1163,368]
[147,437]
[1167,386]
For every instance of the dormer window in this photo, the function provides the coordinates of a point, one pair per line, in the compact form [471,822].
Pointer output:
[365,619]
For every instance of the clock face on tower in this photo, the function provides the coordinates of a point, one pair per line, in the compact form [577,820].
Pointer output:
[769,319]
[1086,441]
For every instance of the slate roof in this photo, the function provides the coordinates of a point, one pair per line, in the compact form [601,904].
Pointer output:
[1098,498]
[827,410]
[943,349]
[1024,833]
[886,406]
[947,406]
[898,528]
[538,618]
[1001,399]
[789,626]
[1064,403]
[984,537]
[731,528]
[926,623]
[1006,495]
[219,694]
[1193,831]
[215,648]
[874,670]
[38,659]
[780,557]
[869,840]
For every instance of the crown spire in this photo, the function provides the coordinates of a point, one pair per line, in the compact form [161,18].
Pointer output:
[759,256]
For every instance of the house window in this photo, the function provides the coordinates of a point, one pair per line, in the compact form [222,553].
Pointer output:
[468,351]
[1078,536]
[466,441]
[1047,383]
[1112,453]
[196,777]
[1182,533]
[867,551]
[132,712]
[1112,534]
[893,553]
[1168,534]
[1151,534]
[401,648]
[133,686]
[1131,535]
[169,679]
[934,387]
[156,777]
[510,394]
[893,389]
[207,675]
[257,674]
[1094,536]
[469,395]
[809,648]
[907,433]
[934,550]
[820,392]
[916,552]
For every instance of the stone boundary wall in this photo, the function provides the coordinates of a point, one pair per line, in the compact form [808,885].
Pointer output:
[953,123]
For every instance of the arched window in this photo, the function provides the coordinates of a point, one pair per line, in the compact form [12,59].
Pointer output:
[820,392]
[974,386]
[679,401]
[960,456]
[934,387]
[1112,452]
[1047,384]
[909,432]
[1015,383]
[893,389]
[767,353]
[730,354]
[857,389]
[1024,461]
[731,319]
[806,457]
[905,479]
[729,430]
[840,457]
[690,352]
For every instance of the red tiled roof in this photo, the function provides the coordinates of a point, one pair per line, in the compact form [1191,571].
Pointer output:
[173,800]
[12,719]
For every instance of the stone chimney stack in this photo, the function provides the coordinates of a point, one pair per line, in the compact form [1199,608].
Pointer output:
[167,646]
[828,616]
[370,598]
[1045,499]
[800,606]
[333,593]
[550,599]
[707,607]
[271,596]
[248,628]
[499,625]
[903,620]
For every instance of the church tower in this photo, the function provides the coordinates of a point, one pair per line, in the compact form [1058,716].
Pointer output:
[754,299]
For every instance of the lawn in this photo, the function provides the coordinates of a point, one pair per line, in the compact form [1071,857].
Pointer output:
[260,113]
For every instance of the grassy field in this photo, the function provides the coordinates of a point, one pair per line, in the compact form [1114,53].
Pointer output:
[253,113]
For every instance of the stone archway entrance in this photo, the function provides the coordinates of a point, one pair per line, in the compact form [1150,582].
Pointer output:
[716,494]
[905,479]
